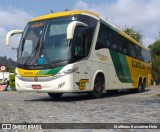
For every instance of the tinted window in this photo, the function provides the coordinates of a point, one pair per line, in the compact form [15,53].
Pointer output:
[89,32]
[108,38]
[146,56]
[104,38]
[79,42]
[83,37]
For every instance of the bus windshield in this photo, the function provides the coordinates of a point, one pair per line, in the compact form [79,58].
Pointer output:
[45,42]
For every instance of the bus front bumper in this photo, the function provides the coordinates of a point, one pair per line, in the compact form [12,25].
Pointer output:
[45,84]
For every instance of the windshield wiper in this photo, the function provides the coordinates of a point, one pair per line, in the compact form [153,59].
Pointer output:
[33,52]
[45,52]
[57,61]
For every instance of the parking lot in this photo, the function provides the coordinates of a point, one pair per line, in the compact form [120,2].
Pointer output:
[124,107]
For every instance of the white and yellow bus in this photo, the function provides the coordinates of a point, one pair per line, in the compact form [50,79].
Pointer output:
[77,51]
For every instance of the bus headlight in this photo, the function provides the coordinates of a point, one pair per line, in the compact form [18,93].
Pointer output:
[17,74]
[64,73]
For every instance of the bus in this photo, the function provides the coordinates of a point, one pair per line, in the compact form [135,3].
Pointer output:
[77,51]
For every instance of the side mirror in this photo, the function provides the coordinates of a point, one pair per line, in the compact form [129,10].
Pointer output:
[71,28]
[11,33]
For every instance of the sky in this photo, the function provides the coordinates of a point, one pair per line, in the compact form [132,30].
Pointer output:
[141,15]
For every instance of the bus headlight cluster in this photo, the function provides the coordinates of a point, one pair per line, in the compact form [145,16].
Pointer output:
[64,73]
[17,74]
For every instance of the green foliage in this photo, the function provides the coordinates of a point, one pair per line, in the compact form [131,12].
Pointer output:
[134,34]
[155,57]
[155,48]
[10,69]
[12,82]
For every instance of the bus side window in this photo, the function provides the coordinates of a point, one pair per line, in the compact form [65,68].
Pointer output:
[103,38]
[124,47]
[79,46]
[80,41]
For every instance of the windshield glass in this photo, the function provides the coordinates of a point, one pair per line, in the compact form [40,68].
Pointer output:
[30,39]
[45,42]
[55,44]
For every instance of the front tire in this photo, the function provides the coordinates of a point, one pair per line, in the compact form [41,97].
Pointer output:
[55,95]
[98,88]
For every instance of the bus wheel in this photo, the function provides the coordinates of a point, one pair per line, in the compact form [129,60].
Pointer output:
[144,86]
[55,95]
[98,88]
[140,87]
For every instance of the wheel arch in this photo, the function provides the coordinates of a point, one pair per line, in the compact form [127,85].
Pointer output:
[144,79]
[139,79]
[101,74]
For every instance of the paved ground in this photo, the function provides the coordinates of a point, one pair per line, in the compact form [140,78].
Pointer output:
[124,107]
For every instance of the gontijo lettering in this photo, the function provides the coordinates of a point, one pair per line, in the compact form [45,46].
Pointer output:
[138,65]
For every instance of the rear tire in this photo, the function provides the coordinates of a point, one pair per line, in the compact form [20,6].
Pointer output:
[144,86]
[55,95]
[141,87]
[98,88]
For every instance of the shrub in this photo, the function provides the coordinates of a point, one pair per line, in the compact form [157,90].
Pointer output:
[12,82]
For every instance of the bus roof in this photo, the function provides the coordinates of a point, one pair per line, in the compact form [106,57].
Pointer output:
[64,13]
[72,12]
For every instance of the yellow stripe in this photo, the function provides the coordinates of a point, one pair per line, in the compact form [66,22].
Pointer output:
[64,13]
[27,73]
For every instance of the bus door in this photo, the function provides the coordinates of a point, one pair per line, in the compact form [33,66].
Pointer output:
[82,74]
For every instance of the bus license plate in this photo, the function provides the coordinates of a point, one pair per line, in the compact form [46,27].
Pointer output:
[36,86]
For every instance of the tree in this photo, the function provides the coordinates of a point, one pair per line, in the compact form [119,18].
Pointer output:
[134,34]
[155,58]
[10,69]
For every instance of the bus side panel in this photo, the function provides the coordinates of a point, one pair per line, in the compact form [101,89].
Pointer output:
[81,77]
[149,78]
[113,65]
[139,69]
[118,71]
